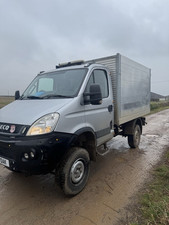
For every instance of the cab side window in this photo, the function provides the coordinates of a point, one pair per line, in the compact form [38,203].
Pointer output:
[99,77]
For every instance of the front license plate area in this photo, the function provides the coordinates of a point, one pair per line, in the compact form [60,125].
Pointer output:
[4,162]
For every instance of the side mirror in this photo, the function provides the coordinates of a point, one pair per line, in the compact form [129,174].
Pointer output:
[17,95]
[95,94]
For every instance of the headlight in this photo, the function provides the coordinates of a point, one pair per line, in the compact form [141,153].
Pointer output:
[44,125]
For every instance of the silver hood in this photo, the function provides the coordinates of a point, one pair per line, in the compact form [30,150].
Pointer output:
[26,112]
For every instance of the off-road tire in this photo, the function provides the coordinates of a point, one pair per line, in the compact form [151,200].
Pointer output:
[73,172]
[134,140]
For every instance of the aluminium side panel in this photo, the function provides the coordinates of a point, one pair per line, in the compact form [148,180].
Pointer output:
[135,90]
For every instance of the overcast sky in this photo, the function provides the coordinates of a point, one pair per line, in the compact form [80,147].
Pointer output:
[36,35]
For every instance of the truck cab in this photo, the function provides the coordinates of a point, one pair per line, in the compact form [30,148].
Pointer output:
[64,109]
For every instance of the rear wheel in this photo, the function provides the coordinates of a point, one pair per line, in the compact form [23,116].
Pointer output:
[74,170]
[134,139]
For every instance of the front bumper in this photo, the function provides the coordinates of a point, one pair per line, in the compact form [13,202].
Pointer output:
[35,154]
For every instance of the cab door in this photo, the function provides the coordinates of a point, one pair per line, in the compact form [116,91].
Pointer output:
[100,117]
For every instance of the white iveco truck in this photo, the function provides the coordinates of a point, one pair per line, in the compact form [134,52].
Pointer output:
[65,114]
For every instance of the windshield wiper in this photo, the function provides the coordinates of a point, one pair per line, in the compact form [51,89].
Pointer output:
[46,96]
[33,97]
[56,96]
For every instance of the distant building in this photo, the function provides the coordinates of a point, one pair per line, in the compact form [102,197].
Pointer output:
[157,97]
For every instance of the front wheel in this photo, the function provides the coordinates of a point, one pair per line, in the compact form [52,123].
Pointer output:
[134,139]
[74,170]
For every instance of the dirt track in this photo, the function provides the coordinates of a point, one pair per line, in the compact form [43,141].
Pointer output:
[114,179]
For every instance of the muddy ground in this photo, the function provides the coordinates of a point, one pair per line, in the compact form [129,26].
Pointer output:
[114,179]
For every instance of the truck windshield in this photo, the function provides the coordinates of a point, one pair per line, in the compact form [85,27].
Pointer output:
[58,84]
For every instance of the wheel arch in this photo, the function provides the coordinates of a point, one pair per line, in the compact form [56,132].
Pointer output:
[86,139]
[128,128]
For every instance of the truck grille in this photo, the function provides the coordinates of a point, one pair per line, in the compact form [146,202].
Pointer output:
[6,150]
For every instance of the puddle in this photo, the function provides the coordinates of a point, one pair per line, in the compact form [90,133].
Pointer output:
[151,135]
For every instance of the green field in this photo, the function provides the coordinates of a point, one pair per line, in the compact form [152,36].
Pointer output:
[4,100]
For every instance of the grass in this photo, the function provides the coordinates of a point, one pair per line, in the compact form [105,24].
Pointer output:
[4,100]
[154,202]
[158,106]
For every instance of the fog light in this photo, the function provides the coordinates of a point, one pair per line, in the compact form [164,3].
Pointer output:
[26,156]
[32,154]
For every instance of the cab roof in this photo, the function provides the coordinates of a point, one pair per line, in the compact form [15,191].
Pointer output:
[73,65]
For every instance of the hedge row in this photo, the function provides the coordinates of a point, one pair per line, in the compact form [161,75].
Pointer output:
[156,105]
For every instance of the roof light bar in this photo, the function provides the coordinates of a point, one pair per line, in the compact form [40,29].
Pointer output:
[73,63]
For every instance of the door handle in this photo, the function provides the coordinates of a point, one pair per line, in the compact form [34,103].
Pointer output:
[110,108]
